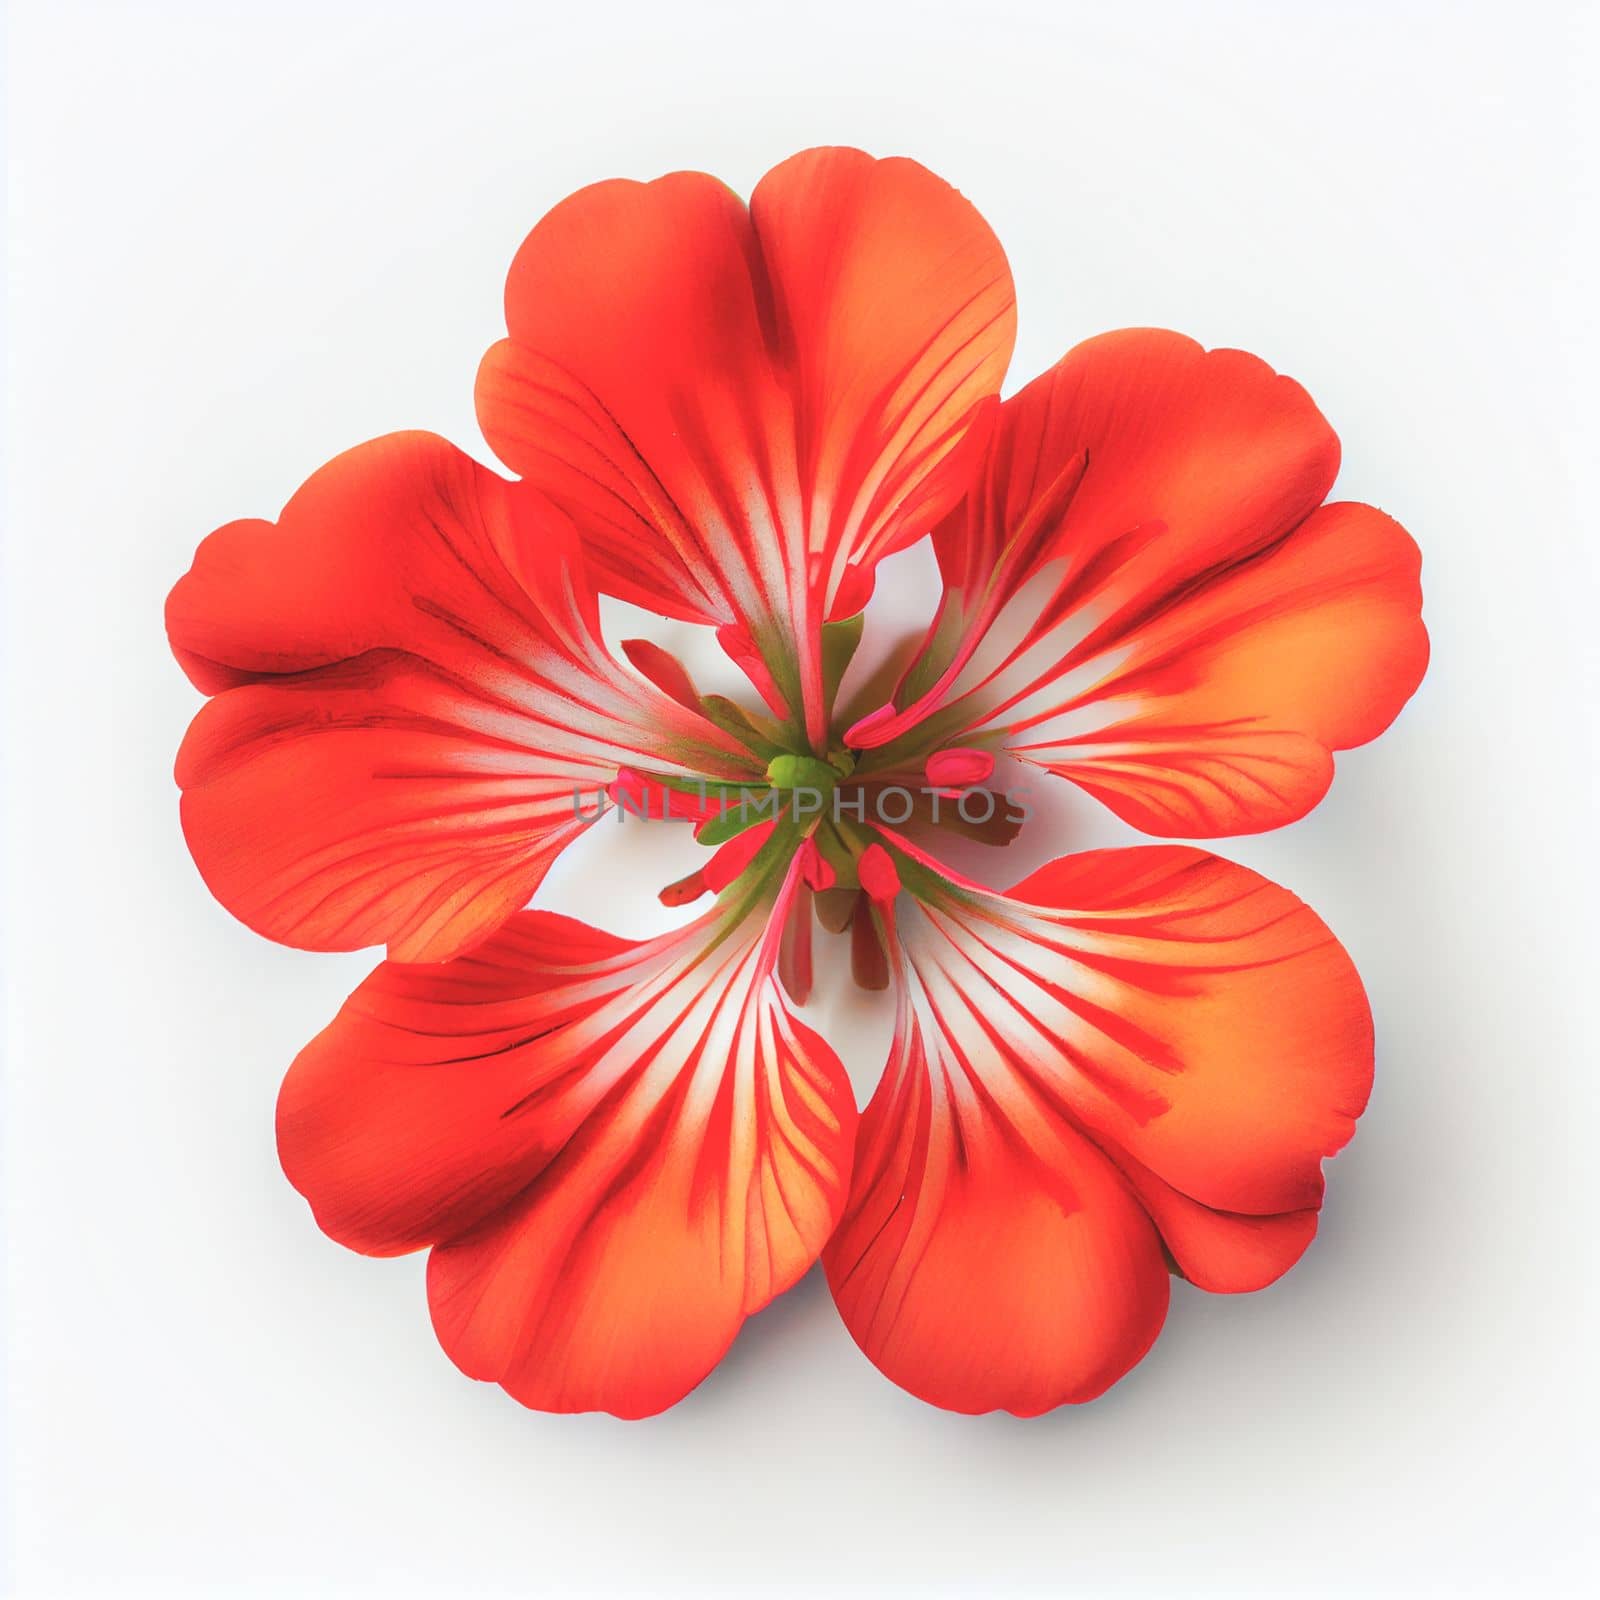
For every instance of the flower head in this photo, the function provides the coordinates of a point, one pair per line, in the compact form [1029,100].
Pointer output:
[1129,1064]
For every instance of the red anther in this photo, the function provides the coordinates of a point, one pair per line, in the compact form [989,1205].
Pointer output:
[878,874]
[684,890]
[735,856]
[959,768]
[815,870]
[861,733]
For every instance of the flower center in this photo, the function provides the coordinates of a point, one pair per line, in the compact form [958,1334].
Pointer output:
[840,831]
[795,774]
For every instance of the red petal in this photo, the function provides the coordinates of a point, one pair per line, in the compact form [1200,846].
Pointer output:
[410,693]
[1226,1252]
[989,1257]
[1133,1047]
[746,409]
[1229,1032]
[1145,599]
[620,1150]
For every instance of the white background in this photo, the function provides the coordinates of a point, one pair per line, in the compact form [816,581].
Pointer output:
[246,236]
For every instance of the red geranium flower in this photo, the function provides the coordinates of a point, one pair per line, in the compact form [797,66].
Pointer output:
[1131,1063]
